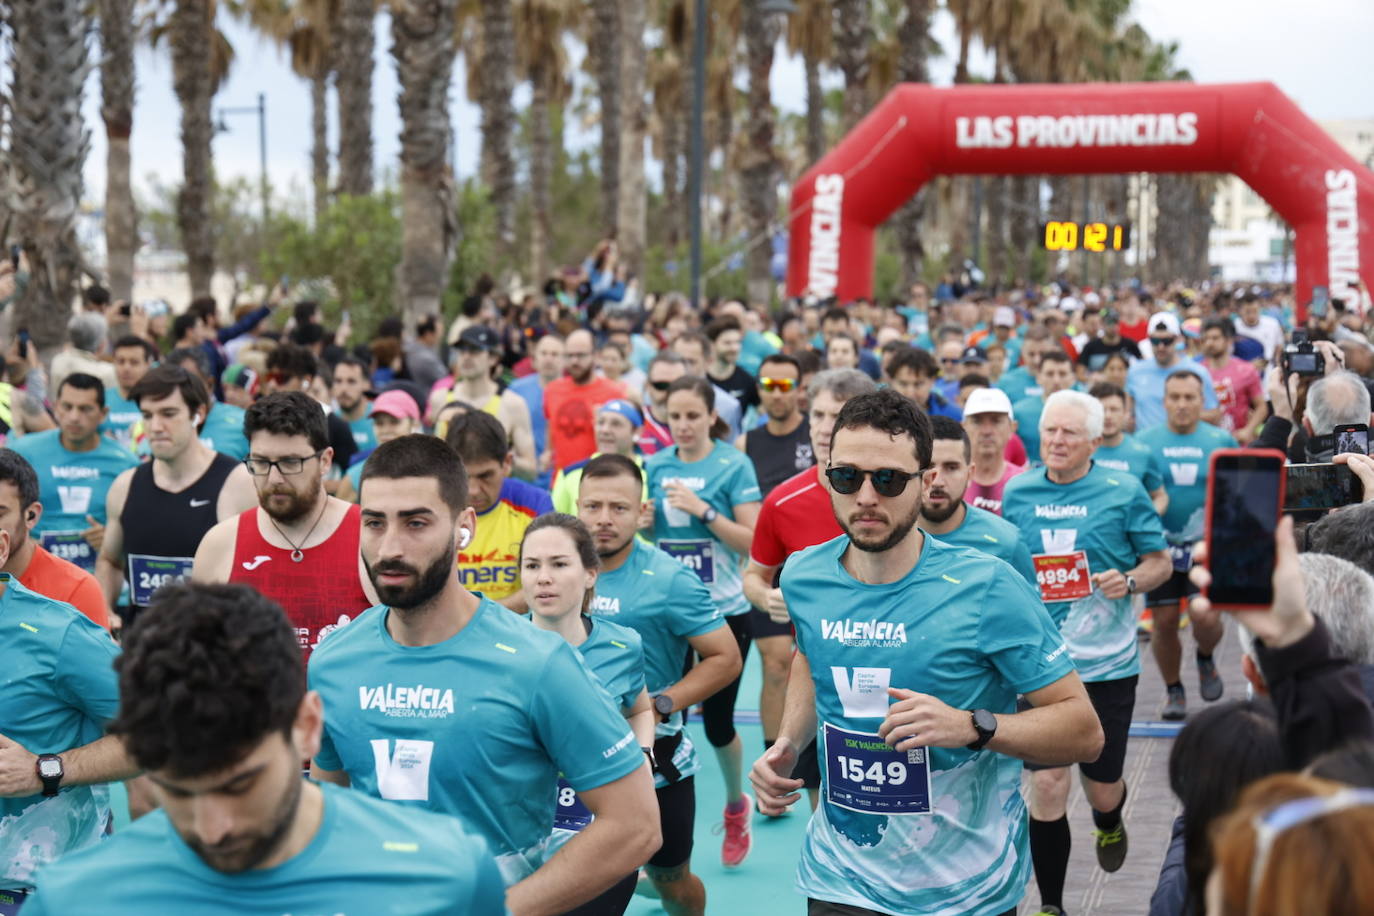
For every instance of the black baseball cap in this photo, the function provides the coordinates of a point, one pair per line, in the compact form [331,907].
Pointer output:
[973,355]
[479,337]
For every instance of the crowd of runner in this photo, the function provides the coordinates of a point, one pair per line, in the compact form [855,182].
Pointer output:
[491,569]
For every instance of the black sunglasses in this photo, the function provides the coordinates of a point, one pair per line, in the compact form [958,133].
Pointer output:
[660,386]
[847,479]
[1162,341]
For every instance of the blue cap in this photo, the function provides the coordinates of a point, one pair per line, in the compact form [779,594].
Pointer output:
[625,409]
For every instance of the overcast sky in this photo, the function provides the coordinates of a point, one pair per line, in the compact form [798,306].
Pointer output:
[1318,52]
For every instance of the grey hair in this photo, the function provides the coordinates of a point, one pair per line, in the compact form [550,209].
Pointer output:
[842,384]
[86,331]
[1342,595]
[1091,407]
[1337,399]
[1348,533]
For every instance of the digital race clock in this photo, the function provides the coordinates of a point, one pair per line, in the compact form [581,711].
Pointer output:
[1066,236]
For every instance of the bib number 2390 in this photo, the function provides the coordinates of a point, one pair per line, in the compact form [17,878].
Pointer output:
[865,774]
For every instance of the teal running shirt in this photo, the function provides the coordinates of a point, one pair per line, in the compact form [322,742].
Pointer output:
[985,531]
[1183,460]
[1133,457]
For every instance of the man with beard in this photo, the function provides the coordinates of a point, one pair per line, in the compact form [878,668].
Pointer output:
[570,402]
[213,705]
[442,699]
[299,545]
[781,447]
[910,655]
[352,379]
[945,514]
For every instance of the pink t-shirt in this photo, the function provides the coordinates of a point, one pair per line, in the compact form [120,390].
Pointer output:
[1237,385]
[990,497]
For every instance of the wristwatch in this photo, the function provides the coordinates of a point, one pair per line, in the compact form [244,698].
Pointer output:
[663,705]
[709,515]
[50,773]
[985,724]
[1130,584]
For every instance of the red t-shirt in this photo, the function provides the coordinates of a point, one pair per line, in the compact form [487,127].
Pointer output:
[1237,386]
[795,515]
[1137,332]
[571,412]
[53,577]
[990,497]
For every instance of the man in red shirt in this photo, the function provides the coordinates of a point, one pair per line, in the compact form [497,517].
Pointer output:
[796,515]
[570,402]
[1239,390]
[34,567]
[299,546]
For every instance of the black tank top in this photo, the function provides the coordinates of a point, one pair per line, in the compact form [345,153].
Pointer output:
[162,530]
[777,458]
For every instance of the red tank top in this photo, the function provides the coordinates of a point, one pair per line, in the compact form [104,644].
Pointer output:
[319,594]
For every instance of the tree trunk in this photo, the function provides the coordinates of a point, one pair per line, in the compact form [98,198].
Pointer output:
[117,111]
[353,79]
[995,229]
[498,114]
[913,37]
[541,172]
[48,146]
[632,204]
[673,196]
[758,172]
[604,46]
[1022,224]
[319,141]
[423,46]
[853,35]
[192,28]
[815,111]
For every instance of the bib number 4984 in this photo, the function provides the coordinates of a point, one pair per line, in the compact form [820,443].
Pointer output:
[1062,576]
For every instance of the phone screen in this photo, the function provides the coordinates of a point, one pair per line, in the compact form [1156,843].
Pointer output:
[1352,437]
[1313,489]
[1242,513]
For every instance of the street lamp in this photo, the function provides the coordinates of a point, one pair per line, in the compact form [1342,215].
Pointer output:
[222,127]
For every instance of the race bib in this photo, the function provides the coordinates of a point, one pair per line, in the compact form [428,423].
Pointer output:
[571,813]
[1062,576]
[1182,556]
[70,546]
[698,556]
[11,902]
[148,574]
[864,774]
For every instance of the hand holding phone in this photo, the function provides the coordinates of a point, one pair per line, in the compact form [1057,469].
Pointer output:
[1286,619]
[1244,498]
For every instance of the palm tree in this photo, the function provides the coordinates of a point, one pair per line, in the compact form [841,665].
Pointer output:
[668,83]
[48,145]
[422,36]
[191,33]
[759,163]
[540,26]
[853,35]
[117,111]
[810,33]
[496,85]
[631,209]
[914,46]
[306,30]
[603,54]
[356,40]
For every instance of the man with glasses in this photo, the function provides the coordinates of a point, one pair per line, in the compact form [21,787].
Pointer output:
[781,447]
[570,402]
[665,368]
[1145,381]
[159,511]
[911,653]
[1096,541]
[299,545]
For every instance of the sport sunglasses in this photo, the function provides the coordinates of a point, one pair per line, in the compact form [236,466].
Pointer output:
[847,479]
[777,384]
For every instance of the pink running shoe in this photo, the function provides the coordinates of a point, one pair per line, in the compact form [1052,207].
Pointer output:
[735,847]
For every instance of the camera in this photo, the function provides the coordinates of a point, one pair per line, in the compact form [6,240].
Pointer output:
[1302,357]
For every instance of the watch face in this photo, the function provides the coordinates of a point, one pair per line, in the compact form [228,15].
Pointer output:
[49,769]
[663,704]
[984,720]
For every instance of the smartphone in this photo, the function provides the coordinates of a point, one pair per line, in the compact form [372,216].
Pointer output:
[24,343]
[1314,489]
[1351,437]
[1244,498]
[1321,298]
[14,257]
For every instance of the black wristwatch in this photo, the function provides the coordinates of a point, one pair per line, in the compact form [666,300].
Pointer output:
[1130,584]
[985,724]
[50,773]
[663,705]
[709,515]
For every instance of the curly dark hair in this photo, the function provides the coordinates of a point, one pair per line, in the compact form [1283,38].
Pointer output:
[418,455]
[288,413]
[207,672]
[919,361]
[889,412]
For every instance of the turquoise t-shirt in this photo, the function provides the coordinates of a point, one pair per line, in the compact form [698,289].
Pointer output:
[71,486]
[962,627]
[985,531]
[1018,383]
[1027,412]
[1134,458]
[362,431]
[123,417]
[223,430]
[1184,461]
[59,690]
[1107,515]
[479,725]
[724,479]
[368,856]
[658,598]
[1145,383]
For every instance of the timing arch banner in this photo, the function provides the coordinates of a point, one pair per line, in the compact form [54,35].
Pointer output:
[917,132]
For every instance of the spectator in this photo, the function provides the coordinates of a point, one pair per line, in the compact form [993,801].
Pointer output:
[85,340]
[1347,532]
[421,354]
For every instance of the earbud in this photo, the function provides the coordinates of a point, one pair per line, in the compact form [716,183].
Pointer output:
[464,537]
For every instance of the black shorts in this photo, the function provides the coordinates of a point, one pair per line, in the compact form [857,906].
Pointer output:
[677,815]
[1177,587]
[761,626]
[808,768]
[816,907]
[1114,702]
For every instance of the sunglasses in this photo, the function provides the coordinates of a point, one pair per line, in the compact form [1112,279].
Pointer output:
[777,384]
[847,480]
[950,362]
[1162,341]
[660,386]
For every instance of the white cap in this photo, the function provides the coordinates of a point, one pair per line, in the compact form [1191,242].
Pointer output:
[1163,322]
[1091,298]
[1003,317]
[1070,304]
[988,400]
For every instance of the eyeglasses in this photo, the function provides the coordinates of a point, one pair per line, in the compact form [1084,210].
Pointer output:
[660,386]
[292,464]
[1269,826]
[777,384]
[1162,341]
[847,479]
[950,362]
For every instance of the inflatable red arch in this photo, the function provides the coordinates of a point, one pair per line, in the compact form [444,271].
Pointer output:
[917,132]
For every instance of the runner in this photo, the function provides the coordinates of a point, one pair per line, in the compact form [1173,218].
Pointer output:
[59,692]
[887,614]
[1238,387]
[76,466]
[913,372]
[1145,380]
[214,707]
[1019,382]
[299,545]
[477,360]
[352,379]
[665,368]
[794,516]
[945,512]
[547,361]
[133,356]
[222,430]
[696,348]
[706,501]
[571,401]
[618,424]
[35,568]
[494,755]
[159,511]
[394,414]
[1121,451]
[646,590]
[1055,374]
[1096,541]
[781,447]
[558,572]
[990,422]
[727,340]
[295,368]
[1183,445]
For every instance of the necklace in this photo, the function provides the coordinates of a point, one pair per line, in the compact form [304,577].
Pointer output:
[297,555]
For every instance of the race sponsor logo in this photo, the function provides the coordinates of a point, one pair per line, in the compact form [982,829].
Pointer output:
[603,604]
[619,746]
[75,500]
[73,472]
[254,563]
[1342,236]
[862,691]
[1184,475]
[1005,131]
[1059,512]
[877,634]
[1058,540]
[824,260]
[402,774]
[419,702]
